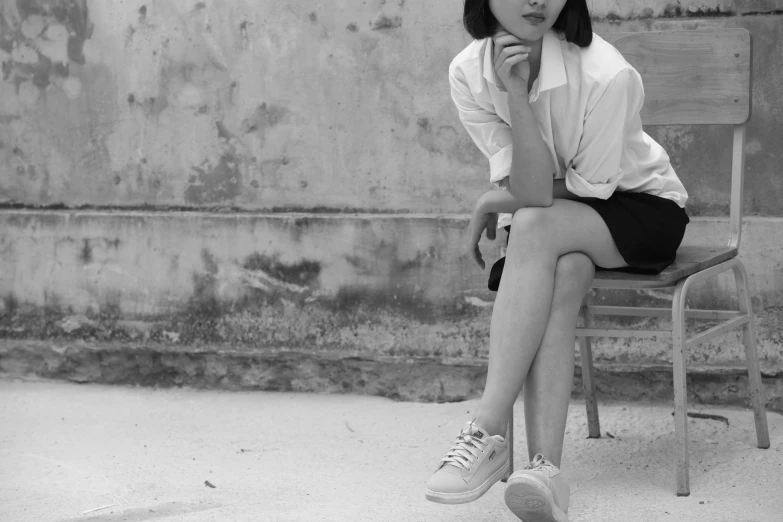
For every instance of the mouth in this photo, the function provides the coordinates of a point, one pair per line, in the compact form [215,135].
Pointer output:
[534,18]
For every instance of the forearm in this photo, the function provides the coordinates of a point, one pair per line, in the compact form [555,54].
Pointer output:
[502,201]
[559,190]
[532,166]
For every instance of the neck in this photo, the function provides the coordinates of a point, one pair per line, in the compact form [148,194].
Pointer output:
[535,53]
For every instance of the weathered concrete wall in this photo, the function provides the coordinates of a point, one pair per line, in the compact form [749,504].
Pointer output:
[165,108]
[368,284]
[309,106]
[177,102]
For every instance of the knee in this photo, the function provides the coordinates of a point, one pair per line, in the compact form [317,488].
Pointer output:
[530,225]
[574,274]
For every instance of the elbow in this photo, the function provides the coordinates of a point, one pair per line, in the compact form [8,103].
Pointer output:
[537,202]
[541,202]
[547,202]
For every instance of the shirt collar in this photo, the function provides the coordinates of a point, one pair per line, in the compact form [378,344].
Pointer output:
[552,73]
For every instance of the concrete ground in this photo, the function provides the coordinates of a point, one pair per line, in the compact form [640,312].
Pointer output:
[67,449]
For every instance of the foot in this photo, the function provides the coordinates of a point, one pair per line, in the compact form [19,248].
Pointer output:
[538,493]
[474,463]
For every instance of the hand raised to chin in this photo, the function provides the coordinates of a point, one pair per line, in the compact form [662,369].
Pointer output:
[510,60]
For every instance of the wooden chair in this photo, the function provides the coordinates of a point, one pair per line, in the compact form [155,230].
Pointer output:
[690,78]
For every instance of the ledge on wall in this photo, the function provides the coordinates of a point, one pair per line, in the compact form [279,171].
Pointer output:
[418,379]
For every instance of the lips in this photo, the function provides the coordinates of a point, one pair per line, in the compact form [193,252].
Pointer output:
[534,18]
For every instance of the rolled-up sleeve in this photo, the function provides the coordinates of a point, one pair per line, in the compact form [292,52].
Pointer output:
[596,170]
[491,134]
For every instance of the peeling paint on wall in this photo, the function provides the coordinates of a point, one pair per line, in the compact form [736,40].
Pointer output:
[617,10]
[263,118]
[381,21]
[221,182]
[60,22]
[321,284]
[117,104]
[302,273]
[41,39]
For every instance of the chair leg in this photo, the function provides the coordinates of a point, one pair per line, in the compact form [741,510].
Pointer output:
[510,442]
[588,382]
[680,389]
[752,356]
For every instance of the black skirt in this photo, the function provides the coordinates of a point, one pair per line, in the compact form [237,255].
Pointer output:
[647,230]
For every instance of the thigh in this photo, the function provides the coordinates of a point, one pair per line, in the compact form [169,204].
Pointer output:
[571,226]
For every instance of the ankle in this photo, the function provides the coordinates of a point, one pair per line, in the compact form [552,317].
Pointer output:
[492,426]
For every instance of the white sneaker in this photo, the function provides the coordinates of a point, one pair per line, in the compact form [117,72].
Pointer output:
[538,493]
[473,464]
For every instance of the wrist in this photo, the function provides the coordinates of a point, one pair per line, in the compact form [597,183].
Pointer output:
[518,93]
[496,201]
[484,203]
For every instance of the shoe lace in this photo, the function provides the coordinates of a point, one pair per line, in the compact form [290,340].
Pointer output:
[540,463]
[465,451]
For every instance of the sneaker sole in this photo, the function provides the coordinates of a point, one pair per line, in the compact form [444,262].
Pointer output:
[532,501]
[467,496]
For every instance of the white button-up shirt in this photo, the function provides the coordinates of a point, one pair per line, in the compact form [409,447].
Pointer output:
[586,101]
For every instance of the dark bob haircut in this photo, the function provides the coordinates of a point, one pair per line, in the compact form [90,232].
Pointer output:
[574,21]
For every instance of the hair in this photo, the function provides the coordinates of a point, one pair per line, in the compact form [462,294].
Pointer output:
[573,21]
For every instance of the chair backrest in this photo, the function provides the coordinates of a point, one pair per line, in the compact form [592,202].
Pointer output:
[696,77]
[690,77]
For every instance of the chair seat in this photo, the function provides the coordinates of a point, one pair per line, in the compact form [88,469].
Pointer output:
[689,260]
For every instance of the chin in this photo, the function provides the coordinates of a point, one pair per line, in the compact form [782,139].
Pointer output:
[528,33]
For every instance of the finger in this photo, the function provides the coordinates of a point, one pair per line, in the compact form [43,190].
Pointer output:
[471,245]
[513,50]
[506,53]
[473,237]
[522,56]
[497,36]
[508,39]
[471,249]
[515,59]
[509,63]
[503,39]
[477,258]
[492,226]
[512,46]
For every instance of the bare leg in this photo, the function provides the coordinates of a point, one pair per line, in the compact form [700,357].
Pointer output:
[539,236]
[547,389]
